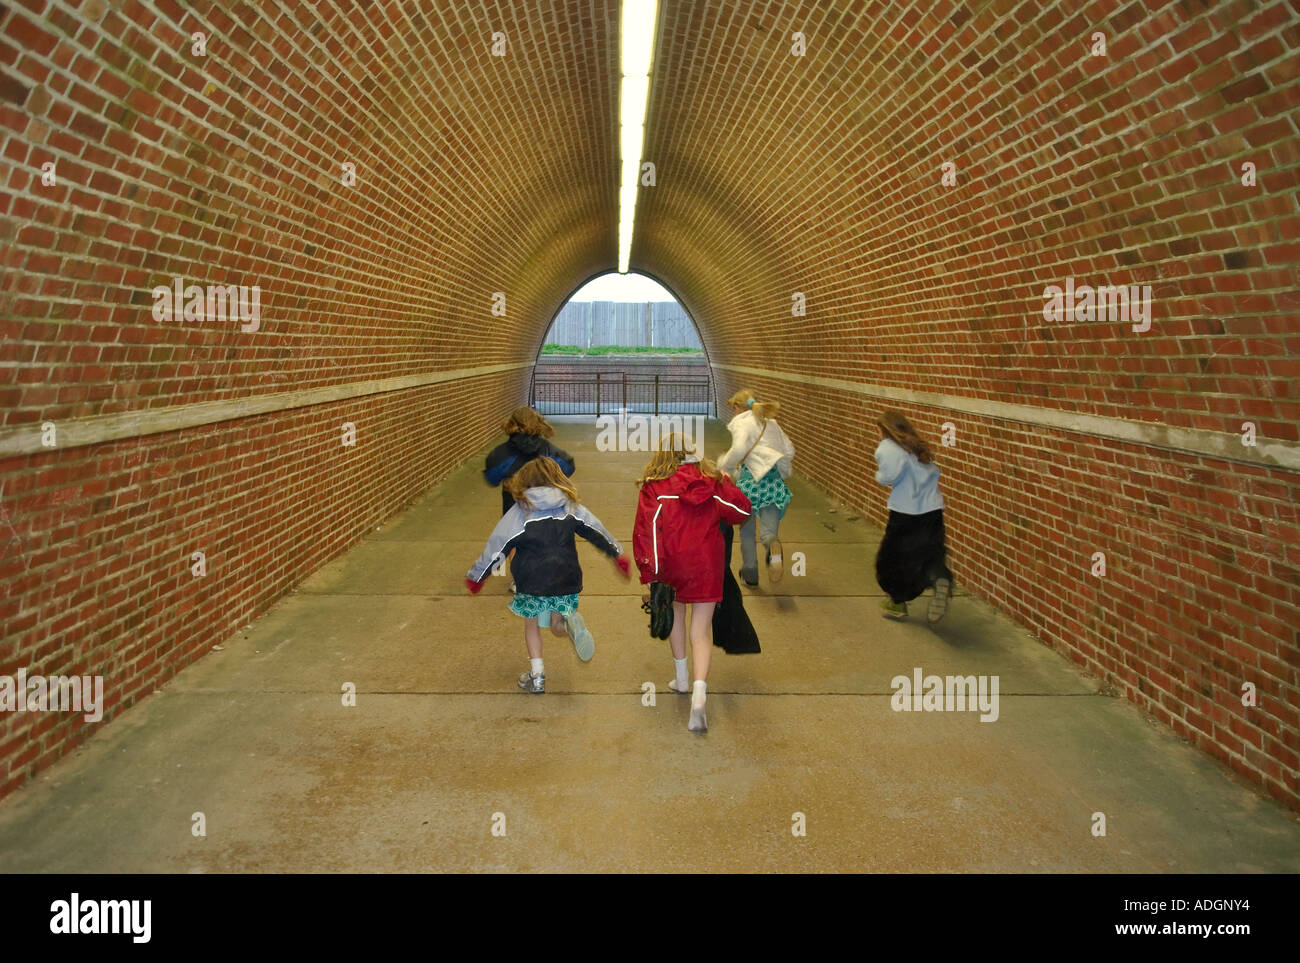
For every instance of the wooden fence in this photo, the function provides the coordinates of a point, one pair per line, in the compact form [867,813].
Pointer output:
[651,324]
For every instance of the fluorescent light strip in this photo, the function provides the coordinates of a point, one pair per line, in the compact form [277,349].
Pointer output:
[636,46]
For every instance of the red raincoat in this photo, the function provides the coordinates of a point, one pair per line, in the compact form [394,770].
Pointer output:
[676,538]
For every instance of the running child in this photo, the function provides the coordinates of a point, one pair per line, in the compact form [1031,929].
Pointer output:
[540,528]
[763,454]
[912,556]
[528,433]
[677,541]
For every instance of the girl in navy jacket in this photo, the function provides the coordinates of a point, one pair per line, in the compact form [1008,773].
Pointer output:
[540,529]
[528,433]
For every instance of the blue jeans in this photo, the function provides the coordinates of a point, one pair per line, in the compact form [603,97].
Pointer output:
[769,518]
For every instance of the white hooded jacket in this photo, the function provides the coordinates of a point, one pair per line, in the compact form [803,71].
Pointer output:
[773,448]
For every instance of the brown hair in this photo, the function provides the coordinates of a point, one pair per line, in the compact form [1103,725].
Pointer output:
[762,410]
[525,421]
[894,425]
[539,473]
[670,457]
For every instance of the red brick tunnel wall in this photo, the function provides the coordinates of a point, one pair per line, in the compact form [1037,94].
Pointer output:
[220,160]
[804,213]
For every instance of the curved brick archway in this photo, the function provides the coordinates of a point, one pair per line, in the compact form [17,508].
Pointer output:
[819,174]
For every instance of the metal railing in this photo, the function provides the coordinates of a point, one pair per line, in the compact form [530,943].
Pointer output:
[608,392]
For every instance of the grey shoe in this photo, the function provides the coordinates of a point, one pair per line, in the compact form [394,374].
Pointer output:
[749,576]
[939,603]
[583,643]
[533,683]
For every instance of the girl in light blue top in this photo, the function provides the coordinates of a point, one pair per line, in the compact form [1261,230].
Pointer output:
[912,556]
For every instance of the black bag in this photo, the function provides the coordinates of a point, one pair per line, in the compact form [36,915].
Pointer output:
[660,608]
[732,630]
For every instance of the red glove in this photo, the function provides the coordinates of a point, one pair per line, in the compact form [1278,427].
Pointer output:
[473,586]
[624,566]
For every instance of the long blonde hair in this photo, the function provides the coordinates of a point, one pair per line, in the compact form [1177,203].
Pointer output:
[539,473]
[670,457]
[526,421]
[762,410]
[894,425]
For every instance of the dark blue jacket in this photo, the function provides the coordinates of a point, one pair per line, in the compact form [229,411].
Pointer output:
[546,553]
[512,454]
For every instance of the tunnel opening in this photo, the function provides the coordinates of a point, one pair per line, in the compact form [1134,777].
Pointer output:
[622,343]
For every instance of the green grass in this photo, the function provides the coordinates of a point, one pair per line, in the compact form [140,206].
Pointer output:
[608,349]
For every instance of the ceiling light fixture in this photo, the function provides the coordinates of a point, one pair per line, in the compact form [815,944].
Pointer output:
[637,45]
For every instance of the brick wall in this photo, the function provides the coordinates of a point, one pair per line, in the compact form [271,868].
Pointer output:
[1202,581]
[98,540]
[226,167]
[822,175]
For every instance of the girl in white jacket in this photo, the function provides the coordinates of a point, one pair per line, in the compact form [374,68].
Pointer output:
[912,556]
[763,454]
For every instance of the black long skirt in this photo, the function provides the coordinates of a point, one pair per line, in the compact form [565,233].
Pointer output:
[912,555]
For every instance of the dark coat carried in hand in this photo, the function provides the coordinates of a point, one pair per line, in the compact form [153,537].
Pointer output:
[732,630]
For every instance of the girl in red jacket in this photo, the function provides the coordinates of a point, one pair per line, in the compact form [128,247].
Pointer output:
[676,540]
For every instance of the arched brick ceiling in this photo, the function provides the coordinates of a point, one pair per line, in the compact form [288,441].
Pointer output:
[475,174]
[776,173]
[822,174]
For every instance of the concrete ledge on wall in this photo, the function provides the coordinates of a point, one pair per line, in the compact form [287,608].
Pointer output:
[1196,441]
[94,429]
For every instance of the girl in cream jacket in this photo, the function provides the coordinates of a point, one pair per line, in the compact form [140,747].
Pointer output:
[760,456]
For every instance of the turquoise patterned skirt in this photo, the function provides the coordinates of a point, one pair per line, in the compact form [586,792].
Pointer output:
[771,490]
[540,607]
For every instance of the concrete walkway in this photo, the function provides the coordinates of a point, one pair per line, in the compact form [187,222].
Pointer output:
[587,778]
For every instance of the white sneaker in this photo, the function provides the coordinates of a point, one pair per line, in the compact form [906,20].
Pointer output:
[774,567]
[698,721]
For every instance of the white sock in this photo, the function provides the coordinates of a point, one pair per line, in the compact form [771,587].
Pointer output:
[680,666]
[698,694]
[536,666]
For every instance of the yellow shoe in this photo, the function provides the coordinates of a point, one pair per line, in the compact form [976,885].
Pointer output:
[892,609]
